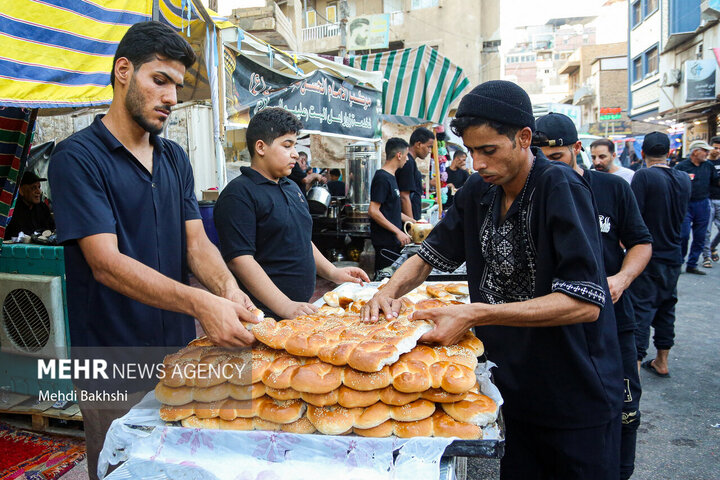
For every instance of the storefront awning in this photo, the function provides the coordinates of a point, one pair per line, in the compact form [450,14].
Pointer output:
[420,83]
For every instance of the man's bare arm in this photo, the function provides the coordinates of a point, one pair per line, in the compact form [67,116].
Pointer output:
[633,265]
[209,268]
[406,203]
[552,310]
[254,278]
[218,316]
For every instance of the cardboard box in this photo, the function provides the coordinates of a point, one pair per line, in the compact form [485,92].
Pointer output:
[211,195]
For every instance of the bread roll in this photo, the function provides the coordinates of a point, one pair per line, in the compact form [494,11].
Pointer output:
[446,426]
[350,398]
[247,392]
[284,394]
[421,428]
[383,430]
[277,411]
[333,420]
[373,416]
[476,409]
[322,399]
[171,413]
[317,377]
[412,412]
[391,396]
[458,289]
[173,396]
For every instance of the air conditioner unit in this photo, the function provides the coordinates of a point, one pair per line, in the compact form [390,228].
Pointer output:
[671,78]
[33,316]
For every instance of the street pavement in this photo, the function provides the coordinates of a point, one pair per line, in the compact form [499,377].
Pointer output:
[679,435]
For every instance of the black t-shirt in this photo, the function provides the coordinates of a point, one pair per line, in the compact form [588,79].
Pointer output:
[662,196]
[715,189]
[409,179]
[270,221]
[620,221]
[701,176]
[565,377]
[384,190]
[297,175]
[457,177]
[336,188]
[29,220]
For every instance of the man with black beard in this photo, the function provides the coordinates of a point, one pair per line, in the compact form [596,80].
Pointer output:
[127,215]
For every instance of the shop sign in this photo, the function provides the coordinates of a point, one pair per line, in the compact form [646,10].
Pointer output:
[611,127]
[368,32]
[321,101]
[700,81]
[610,113]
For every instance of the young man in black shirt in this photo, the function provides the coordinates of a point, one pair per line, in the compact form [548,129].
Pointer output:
[409,178]
[457,175]
[620,225]
[527,229]
[710,253]
[334,185]
[703,176]
[264,225]
[386,216]
[662,194]
[300,175]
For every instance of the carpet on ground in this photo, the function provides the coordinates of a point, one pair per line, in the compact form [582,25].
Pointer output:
[35,456]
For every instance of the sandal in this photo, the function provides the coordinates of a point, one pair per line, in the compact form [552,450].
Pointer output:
[707,263]
[714,255]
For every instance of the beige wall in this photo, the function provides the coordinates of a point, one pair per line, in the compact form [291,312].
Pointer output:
[457,28]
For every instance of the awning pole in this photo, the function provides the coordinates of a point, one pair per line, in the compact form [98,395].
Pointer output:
[438,193]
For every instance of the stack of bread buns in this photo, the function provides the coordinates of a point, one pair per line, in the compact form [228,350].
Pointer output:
[332,374]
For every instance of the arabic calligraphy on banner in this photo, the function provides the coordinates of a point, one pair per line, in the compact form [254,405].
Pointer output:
[324,103]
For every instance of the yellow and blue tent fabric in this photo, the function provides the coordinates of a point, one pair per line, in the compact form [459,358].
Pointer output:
[420,83]
[59,53]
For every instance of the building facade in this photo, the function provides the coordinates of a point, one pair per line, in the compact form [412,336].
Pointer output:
[467,33]
[689,67]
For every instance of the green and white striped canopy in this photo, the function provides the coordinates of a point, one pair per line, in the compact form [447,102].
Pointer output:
[420,83]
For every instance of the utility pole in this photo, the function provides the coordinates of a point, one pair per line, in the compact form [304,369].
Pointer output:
[344,13]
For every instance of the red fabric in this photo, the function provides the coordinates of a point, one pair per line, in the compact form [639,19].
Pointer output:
[35,456]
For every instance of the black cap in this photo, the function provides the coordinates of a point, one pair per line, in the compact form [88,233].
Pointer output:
[500,101]
[30,177]
[558,128]
[656,144]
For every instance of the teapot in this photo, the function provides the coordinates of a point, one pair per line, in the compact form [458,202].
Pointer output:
[418,231]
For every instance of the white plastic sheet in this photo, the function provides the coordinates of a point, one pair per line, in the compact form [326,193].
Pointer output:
[150,449]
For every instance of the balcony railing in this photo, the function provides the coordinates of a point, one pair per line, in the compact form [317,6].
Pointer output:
[321,31]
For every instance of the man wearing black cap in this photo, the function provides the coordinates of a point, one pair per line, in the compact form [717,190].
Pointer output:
[702,177]
[620,225]
[527,229]
[662,194]
[30,214]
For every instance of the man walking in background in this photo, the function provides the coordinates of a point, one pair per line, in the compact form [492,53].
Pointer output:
[702,176]
[662,194]
[710,253]
[602,152]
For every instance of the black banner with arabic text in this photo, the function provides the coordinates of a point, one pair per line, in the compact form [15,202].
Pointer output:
[321,101]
